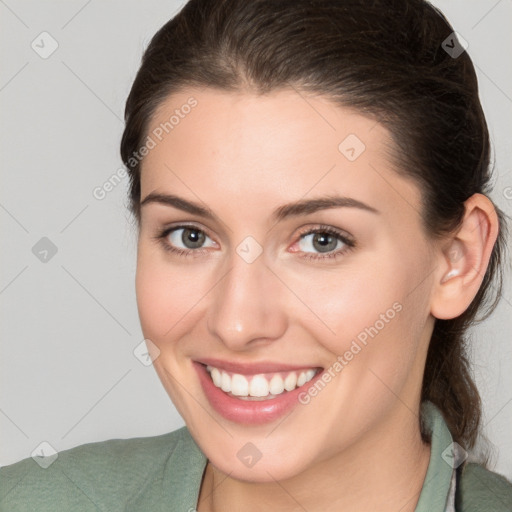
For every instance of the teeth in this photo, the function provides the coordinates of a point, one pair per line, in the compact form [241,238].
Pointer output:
[259,386]
[225,383]
[239,384]
[216,377]
[276,385]
[290,382]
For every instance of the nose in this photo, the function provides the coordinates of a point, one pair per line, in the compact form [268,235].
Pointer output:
[246,307]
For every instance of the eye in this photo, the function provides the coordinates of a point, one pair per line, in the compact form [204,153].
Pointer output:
[323,242]
[185,240]
[188,237]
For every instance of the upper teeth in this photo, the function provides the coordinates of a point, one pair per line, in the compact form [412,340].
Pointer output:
[261,385]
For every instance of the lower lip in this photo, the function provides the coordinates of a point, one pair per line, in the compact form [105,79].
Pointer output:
[249,412]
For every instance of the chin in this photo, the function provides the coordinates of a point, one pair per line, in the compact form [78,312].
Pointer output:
[275,468]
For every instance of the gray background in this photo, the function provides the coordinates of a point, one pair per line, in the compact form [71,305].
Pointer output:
[70,324]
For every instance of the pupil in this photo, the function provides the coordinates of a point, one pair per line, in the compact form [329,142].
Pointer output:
[324,242]
[192,238]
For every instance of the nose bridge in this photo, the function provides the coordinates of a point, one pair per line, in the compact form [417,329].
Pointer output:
[245,304]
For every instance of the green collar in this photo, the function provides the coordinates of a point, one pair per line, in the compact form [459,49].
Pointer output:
[436,495]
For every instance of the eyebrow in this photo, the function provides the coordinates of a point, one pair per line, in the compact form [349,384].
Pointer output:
[302,207]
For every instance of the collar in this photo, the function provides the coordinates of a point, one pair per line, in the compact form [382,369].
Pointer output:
[439,486]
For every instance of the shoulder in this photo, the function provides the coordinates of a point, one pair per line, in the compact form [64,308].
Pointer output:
[483,490]
[102,475]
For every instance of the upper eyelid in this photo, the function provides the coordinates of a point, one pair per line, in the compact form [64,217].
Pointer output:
[326,228]
[184,225]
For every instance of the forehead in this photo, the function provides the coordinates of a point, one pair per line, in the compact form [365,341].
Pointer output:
[283,145]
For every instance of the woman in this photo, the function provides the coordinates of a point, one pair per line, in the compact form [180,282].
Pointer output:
[310,182]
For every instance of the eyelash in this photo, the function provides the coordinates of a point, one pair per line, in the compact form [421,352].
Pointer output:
[348,241]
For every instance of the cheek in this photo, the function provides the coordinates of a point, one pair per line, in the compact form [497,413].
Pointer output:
[168,298]
[368,314]
[373,353]
[352,303]
[368,329]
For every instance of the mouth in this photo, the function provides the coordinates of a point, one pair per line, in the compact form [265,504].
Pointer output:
[251,395]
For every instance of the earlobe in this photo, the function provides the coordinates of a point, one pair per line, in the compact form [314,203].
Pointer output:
[463,262]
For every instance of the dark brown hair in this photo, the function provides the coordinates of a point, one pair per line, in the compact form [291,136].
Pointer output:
[386,59]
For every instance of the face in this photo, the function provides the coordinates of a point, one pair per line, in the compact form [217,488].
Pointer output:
[283,278]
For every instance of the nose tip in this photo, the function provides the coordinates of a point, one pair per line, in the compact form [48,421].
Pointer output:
[237,336]
[246,307]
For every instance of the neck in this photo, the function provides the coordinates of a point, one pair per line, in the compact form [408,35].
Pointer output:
[383,471]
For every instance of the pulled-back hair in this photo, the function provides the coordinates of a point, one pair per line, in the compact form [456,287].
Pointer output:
[388,59]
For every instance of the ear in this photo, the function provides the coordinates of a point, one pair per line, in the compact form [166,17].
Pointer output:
[463,259]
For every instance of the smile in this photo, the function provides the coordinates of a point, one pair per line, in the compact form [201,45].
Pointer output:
[262,386]
[253,394]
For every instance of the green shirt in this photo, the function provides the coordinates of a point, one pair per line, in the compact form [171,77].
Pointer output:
[164,473]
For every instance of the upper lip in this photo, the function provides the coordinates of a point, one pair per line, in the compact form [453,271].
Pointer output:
[252,368]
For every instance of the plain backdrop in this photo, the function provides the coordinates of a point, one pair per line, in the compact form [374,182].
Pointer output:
[69,323]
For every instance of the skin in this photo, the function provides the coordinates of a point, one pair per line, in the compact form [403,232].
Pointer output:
[242,156]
